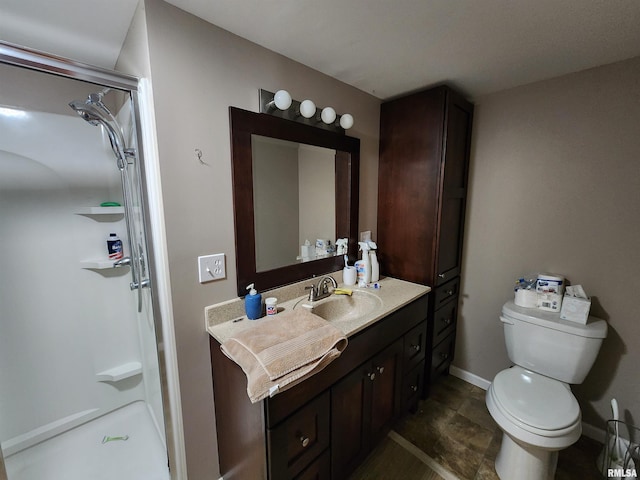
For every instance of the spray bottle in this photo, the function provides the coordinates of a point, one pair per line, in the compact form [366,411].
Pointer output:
[363,267]
[375,266]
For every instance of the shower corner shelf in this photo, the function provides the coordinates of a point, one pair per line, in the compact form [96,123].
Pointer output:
[115,374]
[100,211]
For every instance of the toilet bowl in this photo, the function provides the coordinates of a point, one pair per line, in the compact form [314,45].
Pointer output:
[539,416]
[532,402]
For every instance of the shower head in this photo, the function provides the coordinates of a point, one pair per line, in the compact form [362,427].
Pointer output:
[96,113]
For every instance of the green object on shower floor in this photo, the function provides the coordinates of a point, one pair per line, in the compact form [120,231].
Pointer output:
[106,438]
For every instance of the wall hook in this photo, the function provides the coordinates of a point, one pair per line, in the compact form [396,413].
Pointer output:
[199,155]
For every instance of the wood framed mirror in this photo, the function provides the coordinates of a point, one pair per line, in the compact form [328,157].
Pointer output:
[247,128]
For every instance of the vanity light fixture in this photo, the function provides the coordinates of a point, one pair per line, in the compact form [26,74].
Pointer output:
[280,104]
[281,100]
[328,115]
[346,121]
[307,108]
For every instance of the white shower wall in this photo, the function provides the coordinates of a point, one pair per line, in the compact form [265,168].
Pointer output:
[61,324]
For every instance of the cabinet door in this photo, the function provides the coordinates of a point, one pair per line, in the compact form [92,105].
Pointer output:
[454,186]
[350,417]
[385,395]
[363,407]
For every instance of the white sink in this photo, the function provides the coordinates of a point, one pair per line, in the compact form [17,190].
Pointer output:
[339,308]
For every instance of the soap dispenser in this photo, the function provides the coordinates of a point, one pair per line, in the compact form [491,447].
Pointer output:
[253,303]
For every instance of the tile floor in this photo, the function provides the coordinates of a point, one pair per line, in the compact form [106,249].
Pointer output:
[454,428]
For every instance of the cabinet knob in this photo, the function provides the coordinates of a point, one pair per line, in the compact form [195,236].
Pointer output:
[444,355]
[414,388]
[304,441]
[449,292]
[416,347]
[372,376]
[441,275]
[446,321]
[380,370]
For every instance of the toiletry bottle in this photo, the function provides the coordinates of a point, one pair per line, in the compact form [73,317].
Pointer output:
[363,267]
[253,303]
[375,266]
[114,247]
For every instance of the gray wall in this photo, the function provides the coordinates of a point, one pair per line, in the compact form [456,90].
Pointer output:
[198,71]
[555,186]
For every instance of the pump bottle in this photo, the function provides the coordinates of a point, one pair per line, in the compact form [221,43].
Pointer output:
[253,303]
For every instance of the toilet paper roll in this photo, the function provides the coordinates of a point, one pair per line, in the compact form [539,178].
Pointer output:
[526,298]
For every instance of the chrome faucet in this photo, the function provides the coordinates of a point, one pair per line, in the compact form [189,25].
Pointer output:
[321,289]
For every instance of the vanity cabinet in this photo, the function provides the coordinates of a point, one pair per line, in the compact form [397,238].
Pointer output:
[422,188]
[325,426]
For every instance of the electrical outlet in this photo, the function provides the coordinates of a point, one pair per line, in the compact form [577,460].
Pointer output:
[365,236]
[211,267]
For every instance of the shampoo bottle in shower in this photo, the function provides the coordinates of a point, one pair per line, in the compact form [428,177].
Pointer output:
[114,247]
[253,303]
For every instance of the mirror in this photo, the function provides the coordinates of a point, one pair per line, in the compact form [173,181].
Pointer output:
[291,182]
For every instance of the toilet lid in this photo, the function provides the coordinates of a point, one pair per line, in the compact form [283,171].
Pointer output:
[536,400]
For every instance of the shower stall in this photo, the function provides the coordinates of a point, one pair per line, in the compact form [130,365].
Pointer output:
[84,391]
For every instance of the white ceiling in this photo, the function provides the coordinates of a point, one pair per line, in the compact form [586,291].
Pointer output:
[383,47]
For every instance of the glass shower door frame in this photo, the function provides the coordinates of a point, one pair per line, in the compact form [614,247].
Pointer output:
[51,64]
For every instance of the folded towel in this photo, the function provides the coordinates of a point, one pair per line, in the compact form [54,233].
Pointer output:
[282,350]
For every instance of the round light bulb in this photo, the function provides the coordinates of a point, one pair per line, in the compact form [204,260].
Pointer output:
[328,115]
[307,109]
[346,121]
[282,99]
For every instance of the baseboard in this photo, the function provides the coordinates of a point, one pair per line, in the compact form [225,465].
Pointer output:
[594,433]
[469,377]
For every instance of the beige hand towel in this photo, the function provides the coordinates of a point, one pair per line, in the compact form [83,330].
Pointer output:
[281,351]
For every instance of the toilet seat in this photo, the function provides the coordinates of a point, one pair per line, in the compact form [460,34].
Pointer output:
[537,403]
[514,413]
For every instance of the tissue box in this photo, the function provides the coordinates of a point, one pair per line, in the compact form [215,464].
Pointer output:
[575,309]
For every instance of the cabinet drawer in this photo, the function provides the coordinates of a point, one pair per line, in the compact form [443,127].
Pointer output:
[442,355]
[297,441]
[446,292]
[320,468]
[415,342]
[412,385]
[444,321]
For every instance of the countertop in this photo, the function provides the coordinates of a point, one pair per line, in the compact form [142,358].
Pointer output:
[226,319]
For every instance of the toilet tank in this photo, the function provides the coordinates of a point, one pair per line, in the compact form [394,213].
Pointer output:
[544,343]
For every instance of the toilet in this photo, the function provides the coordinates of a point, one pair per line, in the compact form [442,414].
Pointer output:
[532,402]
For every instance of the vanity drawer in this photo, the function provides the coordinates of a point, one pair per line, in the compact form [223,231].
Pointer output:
[415,342]
[446,292]
[444,321]
[320,468]
[442,356]
[296,442]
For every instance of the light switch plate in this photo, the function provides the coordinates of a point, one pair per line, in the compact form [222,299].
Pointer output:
[211,267]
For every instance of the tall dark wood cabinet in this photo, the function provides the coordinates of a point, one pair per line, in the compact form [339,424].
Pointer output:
[422,187]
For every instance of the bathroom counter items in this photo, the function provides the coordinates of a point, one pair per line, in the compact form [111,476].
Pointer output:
[226,319]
